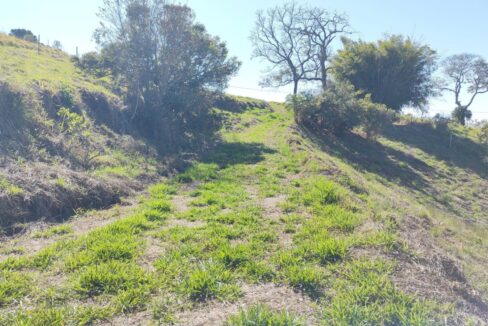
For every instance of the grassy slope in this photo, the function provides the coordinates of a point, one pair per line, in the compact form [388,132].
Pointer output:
[44,165]
[23,66]
[363,233]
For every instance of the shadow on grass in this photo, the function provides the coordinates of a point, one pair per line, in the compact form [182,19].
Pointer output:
[459,151]
[226,154]
[373,157]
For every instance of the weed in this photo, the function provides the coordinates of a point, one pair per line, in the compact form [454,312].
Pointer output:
[211,281]
[13,286]
[261,315]
[113,278]
[54,231]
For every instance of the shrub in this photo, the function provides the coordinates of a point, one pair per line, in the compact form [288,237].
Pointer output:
[483,134]
[461,114]
[340,108]
[24,34]
[334,111]
[441,123]
[374,117]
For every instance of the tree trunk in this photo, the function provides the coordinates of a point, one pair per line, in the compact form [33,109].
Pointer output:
[323,75]
[295,87]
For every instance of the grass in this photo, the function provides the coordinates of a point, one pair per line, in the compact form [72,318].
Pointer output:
[365,295]
[13,286]
[332,236]
[261,315]
[57,230]
[9,188]
[22,65]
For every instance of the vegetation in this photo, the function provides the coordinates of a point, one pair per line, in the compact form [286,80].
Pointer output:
[335,209]
[297,41]
[465,72]
[169,69]
[263,316]
[339,109]
[260,208]
[394,71]
[24,34]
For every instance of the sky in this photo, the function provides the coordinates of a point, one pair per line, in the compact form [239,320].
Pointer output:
[448,26]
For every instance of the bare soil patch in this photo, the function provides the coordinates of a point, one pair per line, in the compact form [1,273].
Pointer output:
[433,274]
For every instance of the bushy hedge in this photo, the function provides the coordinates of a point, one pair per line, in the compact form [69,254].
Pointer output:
[339,109]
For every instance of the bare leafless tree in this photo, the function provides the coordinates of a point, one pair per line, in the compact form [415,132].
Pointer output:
[465,73]
[322,27]
[297,41]
[278,38]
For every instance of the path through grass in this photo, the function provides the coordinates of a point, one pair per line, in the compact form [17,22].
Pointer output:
[261,208]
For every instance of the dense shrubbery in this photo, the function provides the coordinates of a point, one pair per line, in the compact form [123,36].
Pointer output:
[396,71]
[339,109]
[335,110]
[23,34]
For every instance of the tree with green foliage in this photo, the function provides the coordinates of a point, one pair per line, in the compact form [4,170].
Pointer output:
[465,72]
[396,71]
[168,63]
[23,34]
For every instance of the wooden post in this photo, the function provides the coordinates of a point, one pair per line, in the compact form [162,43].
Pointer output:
[39,44]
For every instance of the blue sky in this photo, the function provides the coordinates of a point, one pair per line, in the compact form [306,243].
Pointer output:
[448,26]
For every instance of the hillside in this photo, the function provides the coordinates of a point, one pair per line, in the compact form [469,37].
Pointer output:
[272,224]
[65,144]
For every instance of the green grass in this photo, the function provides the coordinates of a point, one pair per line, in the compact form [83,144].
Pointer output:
[323,240]
[364,295]
[54,231]
[13,286]
[261,315]
[21,65]
[9,188]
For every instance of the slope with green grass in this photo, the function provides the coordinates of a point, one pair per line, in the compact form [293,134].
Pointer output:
[275,227]
[64,141]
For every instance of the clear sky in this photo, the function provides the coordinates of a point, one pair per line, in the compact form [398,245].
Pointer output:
[448,26]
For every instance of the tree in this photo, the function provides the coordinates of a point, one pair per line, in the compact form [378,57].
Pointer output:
[277,38]
[23,34]
[322,27]
[296,40]
[396,71]
[167,62]
[465,72]
[57,45]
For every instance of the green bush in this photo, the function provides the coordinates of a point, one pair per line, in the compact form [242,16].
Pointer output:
[374,117]
[334,111]
[483,134]
[340,108]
